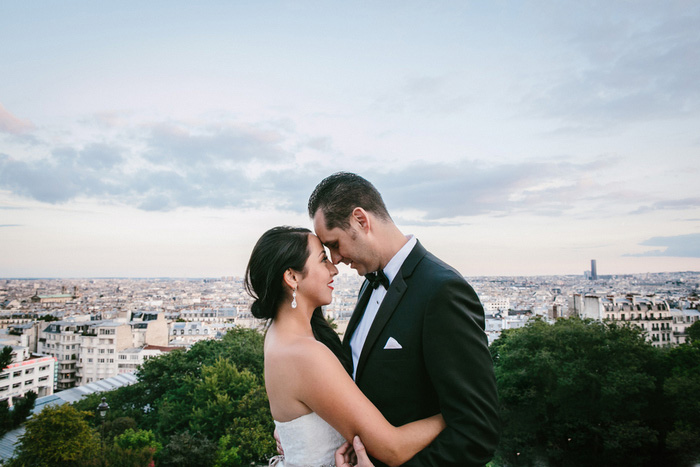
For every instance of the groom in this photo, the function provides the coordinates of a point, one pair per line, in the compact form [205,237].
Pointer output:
[417,333]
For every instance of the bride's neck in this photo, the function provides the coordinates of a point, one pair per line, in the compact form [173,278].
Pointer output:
[296,320]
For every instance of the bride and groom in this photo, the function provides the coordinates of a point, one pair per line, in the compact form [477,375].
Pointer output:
[413,377]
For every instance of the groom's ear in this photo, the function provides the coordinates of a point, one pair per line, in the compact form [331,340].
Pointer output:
[360,216]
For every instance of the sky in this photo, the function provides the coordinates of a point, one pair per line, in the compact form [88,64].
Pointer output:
[162,138]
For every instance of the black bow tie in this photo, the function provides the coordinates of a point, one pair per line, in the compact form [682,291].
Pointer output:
[377,278]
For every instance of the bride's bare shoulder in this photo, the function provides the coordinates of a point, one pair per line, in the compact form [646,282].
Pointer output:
[298,352]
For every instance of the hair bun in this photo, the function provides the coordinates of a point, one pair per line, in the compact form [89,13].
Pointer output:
[258,310]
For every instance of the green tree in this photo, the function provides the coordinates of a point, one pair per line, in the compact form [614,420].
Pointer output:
[5,357]
[186,449]
[227,453]
[22,408]
[5,418]
[114,427]
[137,439]
[576,393]
[253,426]
[219,392]
[694,332]
[57,436]
[133,448]
[12,418]
[48,318]
[216,389]
[683,402]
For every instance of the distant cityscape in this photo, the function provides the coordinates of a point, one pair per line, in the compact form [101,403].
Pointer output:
[67,333]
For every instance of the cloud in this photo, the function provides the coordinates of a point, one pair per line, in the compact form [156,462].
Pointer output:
[10,225]
[226,144]
[683,246]
[676,204]
[170,167]
[469,188]
[101,157]
[13,125]
[626,63]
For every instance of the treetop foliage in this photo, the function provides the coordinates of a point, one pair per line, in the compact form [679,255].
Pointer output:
[582,392]
[214,390]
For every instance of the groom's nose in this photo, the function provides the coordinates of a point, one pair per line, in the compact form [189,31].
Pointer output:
[336,257]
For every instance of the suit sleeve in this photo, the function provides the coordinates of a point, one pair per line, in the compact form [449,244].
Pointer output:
[460,368]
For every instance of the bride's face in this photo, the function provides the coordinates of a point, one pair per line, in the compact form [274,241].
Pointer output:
[317,285]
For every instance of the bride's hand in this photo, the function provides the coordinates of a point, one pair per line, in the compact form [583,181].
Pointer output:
[346,455]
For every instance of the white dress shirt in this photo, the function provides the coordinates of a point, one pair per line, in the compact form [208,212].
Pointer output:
[357,341]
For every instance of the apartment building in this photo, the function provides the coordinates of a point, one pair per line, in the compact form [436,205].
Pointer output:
[210,315]
[27,372]
[683,318]
[189,333]
[88,351]
[61,339]
[650,313]
[99,347]
[129,360]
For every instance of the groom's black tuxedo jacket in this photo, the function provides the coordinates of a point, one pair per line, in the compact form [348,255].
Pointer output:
[443,365]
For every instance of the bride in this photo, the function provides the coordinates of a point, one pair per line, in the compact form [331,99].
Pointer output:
[314,402]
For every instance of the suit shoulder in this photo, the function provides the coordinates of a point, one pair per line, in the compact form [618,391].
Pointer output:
[438,269]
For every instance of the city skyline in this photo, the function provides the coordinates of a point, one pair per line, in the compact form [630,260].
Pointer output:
[162,139]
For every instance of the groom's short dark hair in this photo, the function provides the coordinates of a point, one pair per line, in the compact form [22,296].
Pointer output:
[337,195]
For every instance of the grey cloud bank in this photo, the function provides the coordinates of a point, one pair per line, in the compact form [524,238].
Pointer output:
[686,246]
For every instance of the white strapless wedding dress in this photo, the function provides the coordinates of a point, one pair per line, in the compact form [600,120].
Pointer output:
[308,441]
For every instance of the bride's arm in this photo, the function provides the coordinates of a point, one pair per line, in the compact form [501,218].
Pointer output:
[326,388]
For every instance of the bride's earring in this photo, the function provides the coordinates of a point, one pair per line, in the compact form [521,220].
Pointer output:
[294,298]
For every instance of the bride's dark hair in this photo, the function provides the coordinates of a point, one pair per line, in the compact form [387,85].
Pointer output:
[277,250]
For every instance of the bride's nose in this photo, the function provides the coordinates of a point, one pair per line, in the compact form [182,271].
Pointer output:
[333,269]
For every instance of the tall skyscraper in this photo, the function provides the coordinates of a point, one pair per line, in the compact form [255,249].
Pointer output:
[594,271]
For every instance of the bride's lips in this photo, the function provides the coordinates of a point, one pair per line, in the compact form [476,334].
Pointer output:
[330,285]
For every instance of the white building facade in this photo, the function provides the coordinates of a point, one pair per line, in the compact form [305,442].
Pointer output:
[27,373]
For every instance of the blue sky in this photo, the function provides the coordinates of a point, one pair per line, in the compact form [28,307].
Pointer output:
[513,138]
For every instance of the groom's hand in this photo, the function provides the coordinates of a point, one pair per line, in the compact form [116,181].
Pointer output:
[346,455]
[276,435]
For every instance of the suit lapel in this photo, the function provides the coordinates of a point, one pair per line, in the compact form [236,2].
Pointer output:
[362,300]
[391,300]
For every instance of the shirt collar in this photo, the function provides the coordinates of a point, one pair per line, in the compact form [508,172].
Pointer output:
[393,267]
